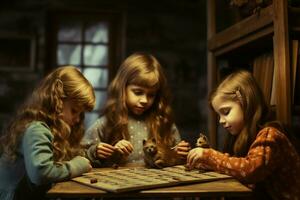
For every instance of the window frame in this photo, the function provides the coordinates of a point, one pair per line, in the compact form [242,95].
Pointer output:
[116,44]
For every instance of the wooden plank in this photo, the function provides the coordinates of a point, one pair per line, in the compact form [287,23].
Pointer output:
[281,59]
[294,64]
[211,71]
[245,40]
[249,25]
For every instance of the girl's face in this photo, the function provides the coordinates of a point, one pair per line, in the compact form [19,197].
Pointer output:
[71,112]
[231,115]
[139,99]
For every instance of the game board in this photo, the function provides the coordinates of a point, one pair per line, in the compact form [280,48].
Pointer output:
[129,179]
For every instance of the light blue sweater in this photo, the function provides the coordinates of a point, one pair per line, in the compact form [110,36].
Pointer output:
[34,167]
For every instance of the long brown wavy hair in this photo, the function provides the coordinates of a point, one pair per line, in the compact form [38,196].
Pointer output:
[46,104]
[242,87]
[143,70]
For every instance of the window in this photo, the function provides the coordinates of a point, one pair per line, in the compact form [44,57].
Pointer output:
[87,41]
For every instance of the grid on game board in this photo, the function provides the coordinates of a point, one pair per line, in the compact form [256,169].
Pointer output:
[122,180]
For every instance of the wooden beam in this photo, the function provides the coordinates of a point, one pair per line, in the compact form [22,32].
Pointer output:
[211,70]
[282,62]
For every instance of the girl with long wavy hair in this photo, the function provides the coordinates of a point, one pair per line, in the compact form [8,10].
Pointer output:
[41,145]
[258,151]
[137,108]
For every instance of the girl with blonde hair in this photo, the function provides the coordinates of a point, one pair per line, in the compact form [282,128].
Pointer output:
[257,151]
[41,145]
[137,108]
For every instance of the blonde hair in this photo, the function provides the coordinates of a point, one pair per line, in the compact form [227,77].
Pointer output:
[46,104]
[143,70]
[241,87]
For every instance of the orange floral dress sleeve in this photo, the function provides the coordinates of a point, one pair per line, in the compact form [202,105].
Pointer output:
[263,157]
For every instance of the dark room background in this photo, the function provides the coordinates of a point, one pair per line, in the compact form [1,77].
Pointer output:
[173,31]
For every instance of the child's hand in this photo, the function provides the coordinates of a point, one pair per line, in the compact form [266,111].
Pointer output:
[104,150]
[183,148]
[194,157]
[89,168]
[124,147]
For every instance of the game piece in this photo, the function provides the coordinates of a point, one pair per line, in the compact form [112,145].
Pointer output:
[115,166]
[93,180]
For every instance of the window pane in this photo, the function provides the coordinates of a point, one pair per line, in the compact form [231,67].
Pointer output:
[95,55]
[100,99]
[90,118]
[97,32]
[98,77]
[69,32]
[68,54]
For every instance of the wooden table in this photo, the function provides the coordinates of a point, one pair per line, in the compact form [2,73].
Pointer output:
[220,188]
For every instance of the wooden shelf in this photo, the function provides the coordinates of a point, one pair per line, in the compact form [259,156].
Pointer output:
[252,28]
[248,30]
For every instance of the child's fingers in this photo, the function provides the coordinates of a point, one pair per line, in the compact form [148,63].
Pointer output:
[192,161]
[194,156]
[183,149]
[124,150]
[190,156]
[106,147]
[87,160]
[104,150]
[183,153]
[124,147]
[183,144]
[103,154]
[130,147]
[90,168]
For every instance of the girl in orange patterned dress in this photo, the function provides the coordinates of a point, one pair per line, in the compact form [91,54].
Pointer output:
[257,152]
